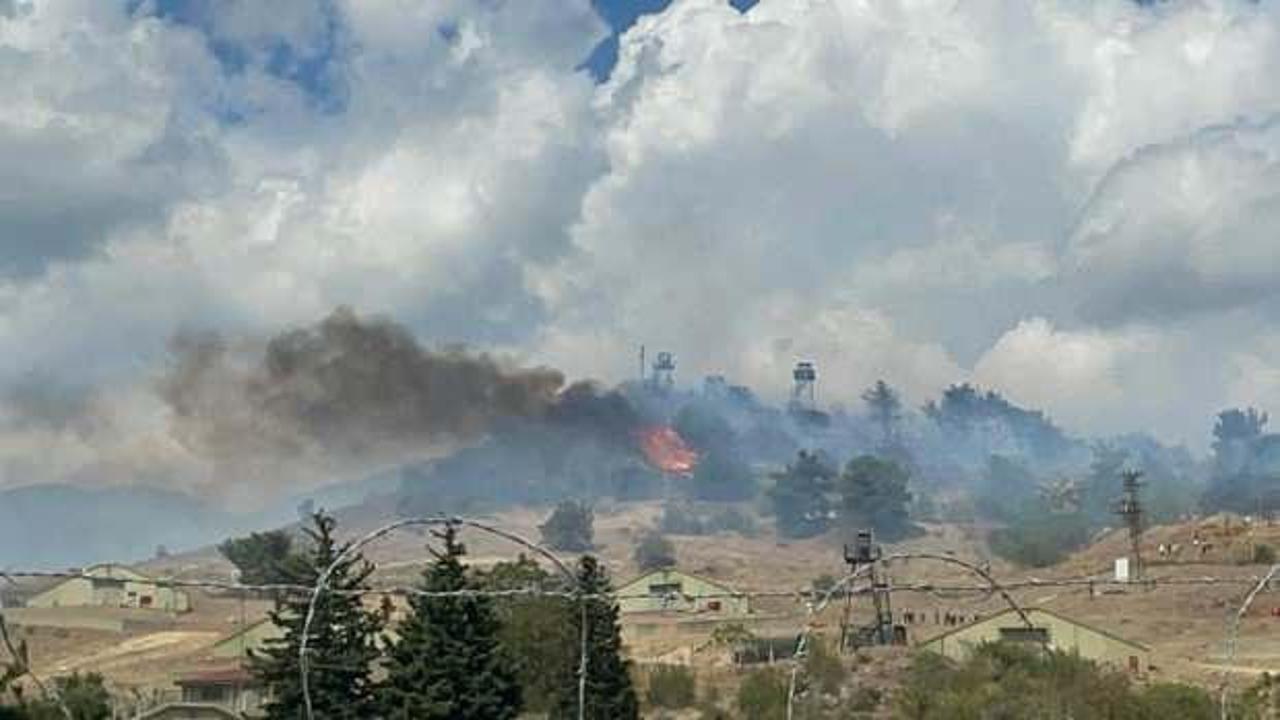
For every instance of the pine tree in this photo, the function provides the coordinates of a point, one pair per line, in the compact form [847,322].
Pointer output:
[874,496]
[885,409]
[610,695]
[447,663]
[342,646]
[800,496]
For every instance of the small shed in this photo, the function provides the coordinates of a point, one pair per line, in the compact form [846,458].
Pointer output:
[1049,629]
[670,590]
[112,586]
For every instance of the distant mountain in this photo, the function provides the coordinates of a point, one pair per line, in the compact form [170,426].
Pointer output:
[60,526]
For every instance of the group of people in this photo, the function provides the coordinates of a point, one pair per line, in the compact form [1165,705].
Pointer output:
[1199,544]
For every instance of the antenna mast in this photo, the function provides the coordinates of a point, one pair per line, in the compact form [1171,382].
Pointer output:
[1130,509]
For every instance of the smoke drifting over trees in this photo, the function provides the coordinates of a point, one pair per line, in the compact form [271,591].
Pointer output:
[351,391]
[363,404]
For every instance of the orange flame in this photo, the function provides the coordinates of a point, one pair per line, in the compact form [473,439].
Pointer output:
[667,451]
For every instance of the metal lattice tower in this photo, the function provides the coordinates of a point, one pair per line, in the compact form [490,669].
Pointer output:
[865,552]
[803,391]
[1130,509]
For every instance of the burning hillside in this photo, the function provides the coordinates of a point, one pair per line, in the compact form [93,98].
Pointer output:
[665,450]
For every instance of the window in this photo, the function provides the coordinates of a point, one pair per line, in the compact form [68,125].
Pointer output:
[1038,635]
[713,605]
[1133,664]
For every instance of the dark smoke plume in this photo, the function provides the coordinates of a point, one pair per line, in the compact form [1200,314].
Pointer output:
[353,388]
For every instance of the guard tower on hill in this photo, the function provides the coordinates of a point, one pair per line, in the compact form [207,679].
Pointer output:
[804,387]
[662,377]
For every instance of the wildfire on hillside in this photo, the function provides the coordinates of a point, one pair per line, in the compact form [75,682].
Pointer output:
[665,450]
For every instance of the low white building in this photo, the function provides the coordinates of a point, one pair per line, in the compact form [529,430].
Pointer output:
[112,586]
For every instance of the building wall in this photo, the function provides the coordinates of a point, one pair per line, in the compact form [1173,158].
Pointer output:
[236,698]
[1064,635]
[694,587]
[112,586]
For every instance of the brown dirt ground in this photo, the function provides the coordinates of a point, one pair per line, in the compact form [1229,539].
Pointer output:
[1183,625]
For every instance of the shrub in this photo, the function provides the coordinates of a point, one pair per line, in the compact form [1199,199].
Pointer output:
[671,686]
[866,700]
[1039,540]
[1264,554]
[822,667]
[654,551]
[570,527]
[763,695]
[1173,700]
[1009,680]
[85,697]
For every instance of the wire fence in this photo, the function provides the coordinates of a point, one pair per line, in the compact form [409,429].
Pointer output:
[813,601]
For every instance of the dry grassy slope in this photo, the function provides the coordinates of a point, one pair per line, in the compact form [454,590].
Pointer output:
[1183,625]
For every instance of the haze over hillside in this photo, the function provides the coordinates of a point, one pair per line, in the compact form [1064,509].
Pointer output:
[250,254]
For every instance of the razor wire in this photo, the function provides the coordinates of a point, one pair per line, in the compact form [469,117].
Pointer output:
[322,583]
[815,601]
[816,608]
[802,643]
[232,587]
[1233,632]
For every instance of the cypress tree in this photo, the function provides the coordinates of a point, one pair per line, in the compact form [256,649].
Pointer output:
[610,695]
[343,644]
[448,662]
[535,630]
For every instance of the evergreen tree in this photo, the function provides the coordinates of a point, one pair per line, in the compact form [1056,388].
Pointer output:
[258,556]
[343,643]
[570,528]
[654,551]
[874,495]
[535,629]
[884,409]
[610,695]
[800,496]
[448,663]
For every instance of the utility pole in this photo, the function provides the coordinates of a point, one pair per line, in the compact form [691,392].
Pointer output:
[866,553]
[1130,509]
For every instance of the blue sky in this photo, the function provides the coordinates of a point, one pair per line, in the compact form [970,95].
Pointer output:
[621,14]
[310,70]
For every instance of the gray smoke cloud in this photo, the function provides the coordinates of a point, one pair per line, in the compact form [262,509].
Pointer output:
[348,389]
